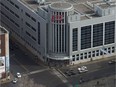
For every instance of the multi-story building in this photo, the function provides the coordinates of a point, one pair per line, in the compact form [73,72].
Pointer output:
[4,53]
[63,30]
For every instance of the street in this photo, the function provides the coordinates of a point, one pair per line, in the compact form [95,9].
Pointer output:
[22,62]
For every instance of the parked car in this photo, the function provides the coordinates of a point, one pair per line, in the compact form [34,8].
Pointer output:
[15,80]
[70,72]
[82,69]
[18,75]
[112,62]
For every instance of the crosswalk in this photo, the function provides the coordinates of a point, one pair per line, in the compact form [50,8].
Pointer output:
[64,80]
[34,72]
[57,73]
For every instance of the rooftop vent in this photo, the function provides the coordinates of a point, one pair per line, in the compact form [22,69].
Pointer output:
[40,1]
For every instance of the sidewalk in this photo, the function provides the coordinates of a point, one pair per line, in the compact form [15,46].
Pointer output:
[6,80]
[94,61]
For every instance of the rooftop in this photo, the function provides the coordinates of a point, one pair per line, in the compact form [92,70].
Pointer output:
[84,7]
[61,5]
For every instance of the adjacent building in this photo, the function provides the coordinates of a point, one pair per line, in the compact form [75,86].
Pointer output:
[4,53]
[63,31]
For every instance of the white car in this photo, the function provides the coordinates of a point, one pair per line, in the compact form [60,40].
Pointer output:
[15,80]
[18,75]
[82,69]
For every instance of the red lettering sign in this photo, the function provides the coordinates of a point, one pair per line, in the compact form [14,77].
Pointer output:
[56,18]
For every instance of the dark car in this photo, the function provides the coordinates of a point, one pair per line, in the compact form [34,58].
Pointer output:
[70,72]
[112,62]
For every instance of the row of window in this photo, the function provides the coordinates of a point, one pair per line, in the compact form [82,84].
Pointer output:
[30,36]
[30,26]
[13,4]
[97,35]
[30,16]
[24,40]
[91,54]
[10,10]
[9,19]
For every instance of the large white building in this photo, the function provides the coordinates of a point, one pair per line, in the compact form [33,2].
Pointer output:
[70,31]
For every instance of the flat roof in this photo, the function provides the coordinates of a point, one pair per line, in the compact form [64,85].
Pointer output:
[83,9]
[80,6]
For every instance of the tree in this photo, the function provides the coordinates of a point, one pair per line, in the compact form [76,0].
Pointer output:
[25,81]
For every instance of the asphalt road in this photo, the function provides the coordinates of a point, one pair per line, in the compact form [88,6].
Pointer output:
[97,70]
[43,75]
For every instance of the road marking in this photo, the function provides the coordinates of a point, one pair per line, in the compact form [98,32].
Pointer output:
[64,80]
[20,64]
[37,71]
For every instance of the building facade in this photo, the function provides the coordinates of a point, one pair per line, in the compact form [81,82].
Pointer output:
[65,31]
[4,53]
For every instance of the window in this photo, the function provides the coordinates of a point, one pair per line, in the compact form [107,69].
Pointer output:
[97,52]
[85,55]
[73,58]
[27,24]
[81,56]
[16,6]
[6,7]
[17,25]
[101,53]
[27,14]
[113,49]
[97,35]
[33,19]
[16,15]
[75,39]
[89,54]
[33,38]
[11,11]
[30,26]
[33,28]
[93,54]
[109,32]
[38,33]
[28,33]
[86,37]
[11,2]
[77,57]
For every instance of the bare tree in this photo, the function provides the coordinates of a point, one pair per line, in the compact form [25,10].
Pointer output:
[27,82]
